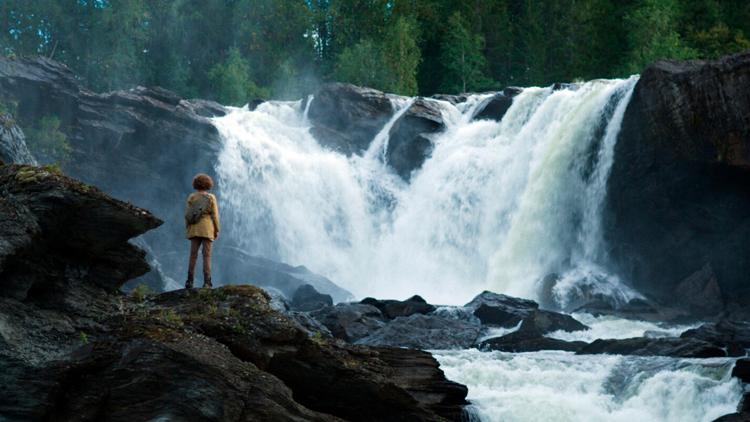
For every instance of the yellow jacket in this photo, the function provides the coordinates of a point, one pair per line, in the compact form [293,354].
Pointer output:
[208,225]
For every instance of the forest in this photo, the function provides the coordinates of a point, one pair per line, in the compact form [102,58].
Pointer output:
[235,50]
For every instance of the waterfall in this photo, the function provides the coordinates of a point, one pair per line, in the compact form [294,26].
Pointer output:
[497,205]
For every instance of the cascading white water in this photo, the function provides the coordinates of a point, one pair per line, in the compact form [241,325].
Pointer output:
[497,205]
[561,386]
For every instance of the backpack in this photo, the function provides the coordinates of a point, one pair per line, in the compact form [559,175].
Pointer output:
[200,206]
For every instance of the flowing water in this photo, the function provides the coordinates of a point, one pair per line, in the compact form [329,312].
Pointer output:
[497,205]
[560,386]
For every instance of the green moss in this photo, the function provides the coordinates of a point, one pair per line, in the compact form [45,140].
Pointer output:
[140,292]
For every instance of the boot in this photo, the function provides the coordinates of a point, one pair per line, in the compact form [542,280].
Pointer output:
[189,282]
[207,282]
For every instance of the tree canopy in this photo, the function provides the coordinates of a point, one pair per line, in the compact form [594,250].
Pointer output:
[236,50]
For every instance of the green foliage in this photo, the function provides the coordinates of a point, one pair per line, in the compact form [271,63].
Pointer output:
[84,338]
[654,35]
[238,50]
[463,58]
[231,81]
[47,141]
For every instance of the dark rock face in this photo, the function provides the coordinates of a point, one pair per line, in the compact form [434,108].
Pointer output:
[346,117]
[685,138]
[741,370]
[494,108]
[732,335]
[307,299]
[425,332]
[497,309]
[350,321]
[123,140]
[13,149]
[77,226]
[410,140]
[234,266]
[395,308]
[700,293]
[640,346]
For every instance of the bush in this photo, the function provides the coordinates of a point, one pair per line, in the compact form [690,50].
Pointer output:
[47,142]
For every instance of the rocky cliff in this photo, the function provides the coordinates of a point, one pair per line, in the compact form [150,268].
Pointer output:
[679,192]
[72,347]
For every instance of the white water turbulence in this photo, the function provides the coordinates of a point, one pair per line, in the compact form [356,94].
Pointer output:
[560,386]
[496,206]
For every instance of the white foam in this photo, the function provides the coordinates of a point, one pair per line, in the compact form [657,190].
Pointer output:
[560,386]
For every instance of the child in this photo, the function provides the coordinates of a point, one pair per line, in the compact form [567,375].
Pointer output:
[202,226]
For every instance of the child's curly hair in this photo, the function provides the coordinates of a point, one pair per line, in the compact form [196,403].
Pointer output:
[202,181]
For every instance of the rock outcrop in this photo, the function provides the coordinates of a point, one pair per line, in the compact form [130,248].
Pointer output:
[122,141]
[679,191]
[346,118]
[72,347]
[13,147]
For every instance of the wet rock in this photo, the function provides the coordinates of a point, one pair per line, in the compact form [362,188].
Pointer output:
[530,335]
[410,142]
[494,108]
[685,138]
[498,309]
[453,99]
[350,321]
[520,341]
[346,117]
[741,370]
[545,322]
[395,308]
[307,299]
[666,346]
[733,335]
[425,332]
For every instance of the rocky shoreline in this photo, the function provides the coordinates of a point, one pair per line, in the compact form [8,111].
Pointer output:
[75,348]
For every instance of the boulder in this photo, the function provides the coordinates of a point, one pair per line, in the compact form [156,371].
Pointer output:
[732,335]
[685,138]
[520,341]
[350,321]
[498,309]
[307,299]
[530,335]
[494,107]
[395,308]
[346,117]
[665,346]
[425,332]
[410,142]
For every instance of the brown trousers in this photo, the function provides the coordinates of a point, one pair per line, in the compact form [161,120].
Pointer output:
[195,244]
